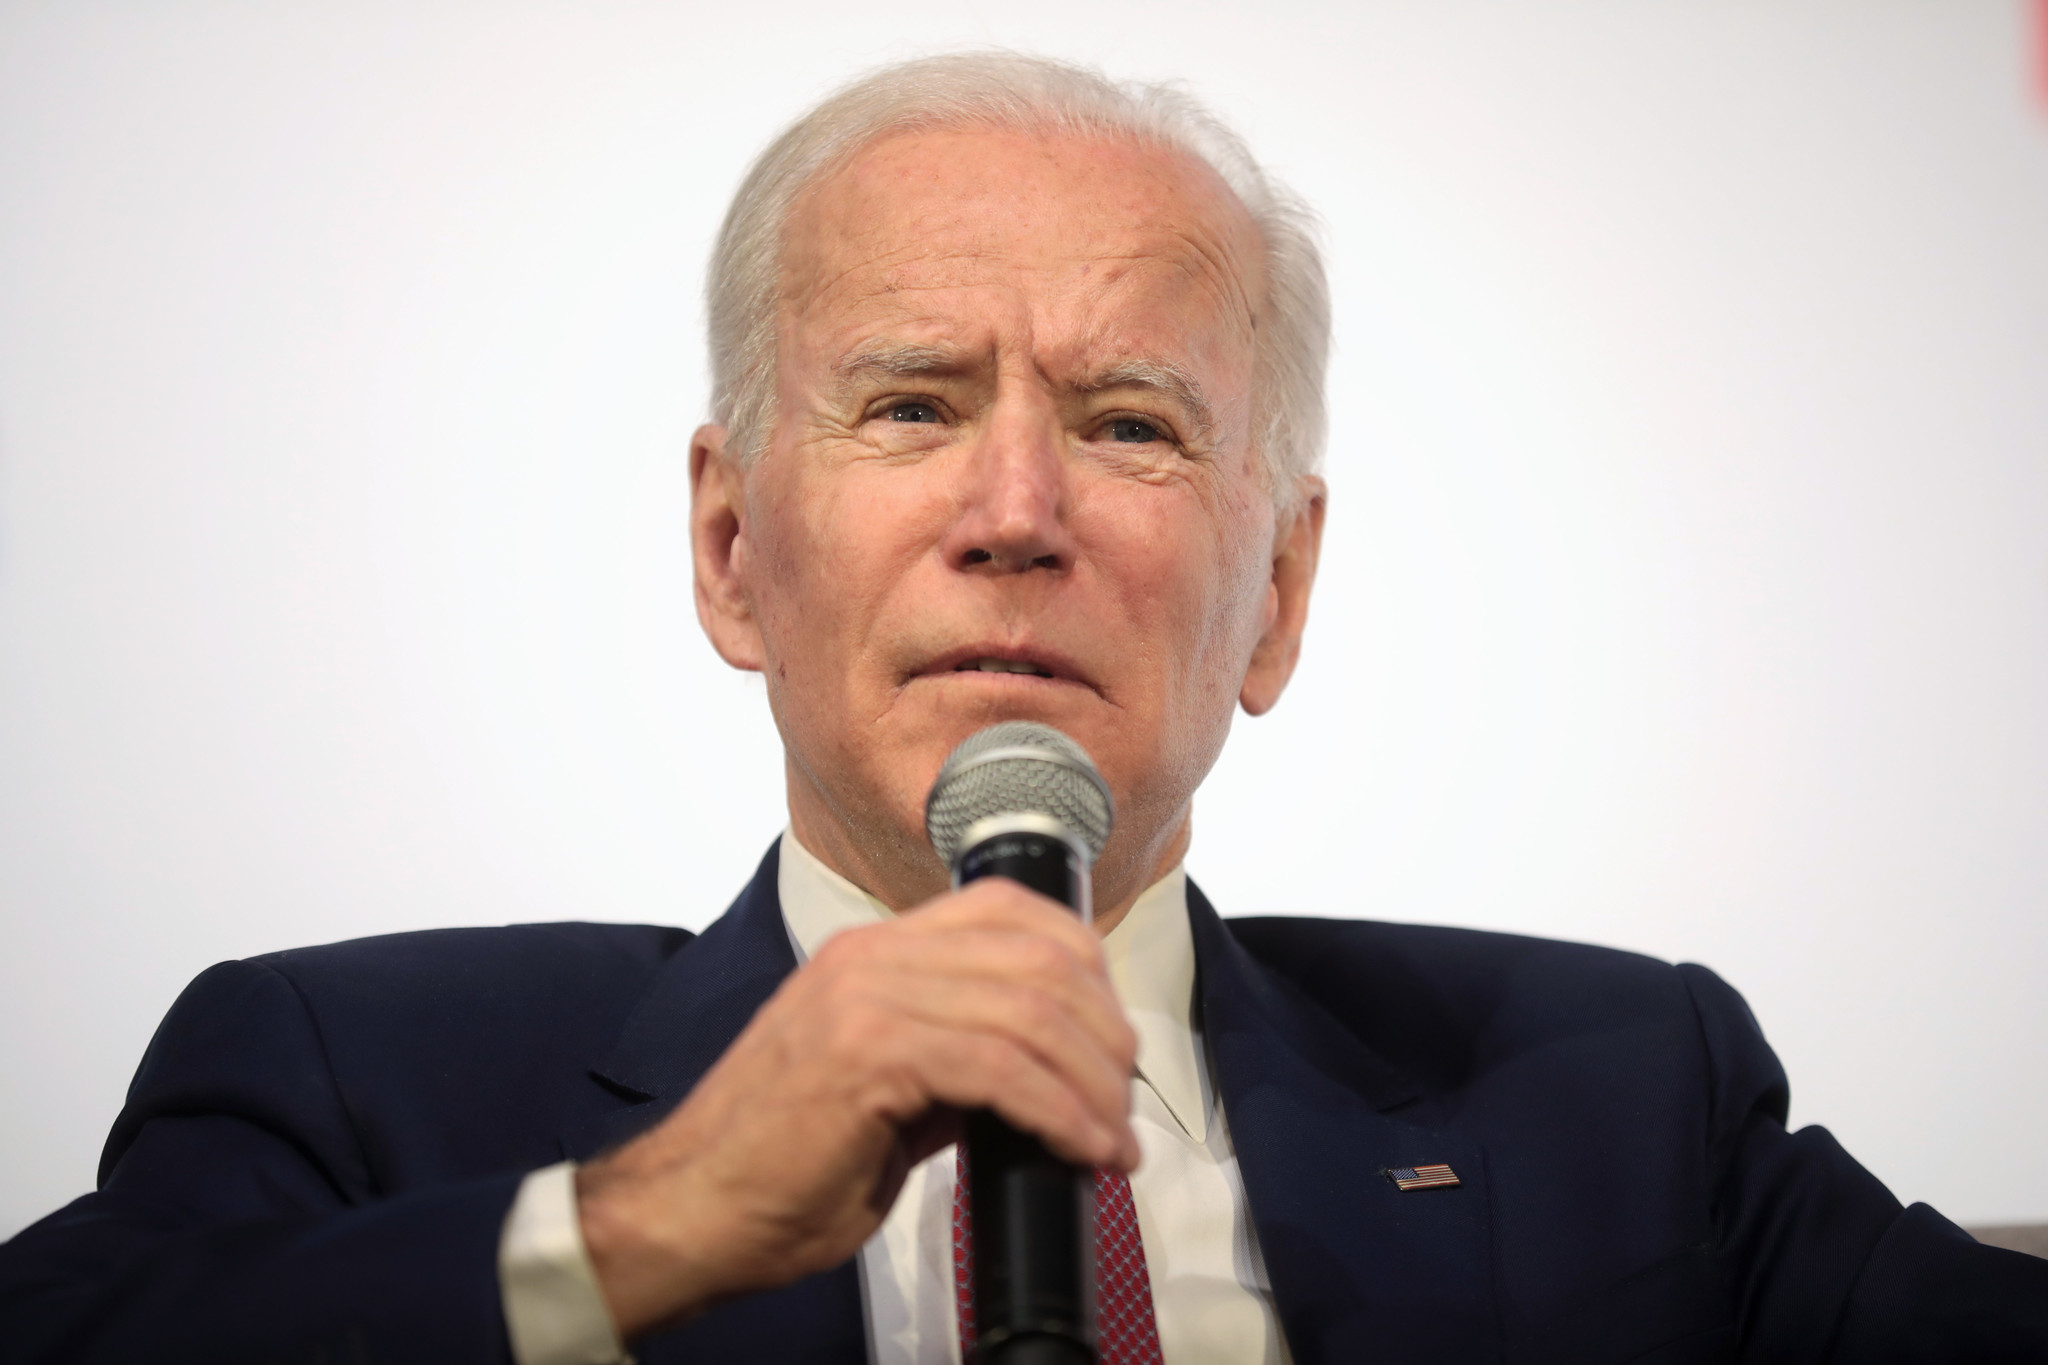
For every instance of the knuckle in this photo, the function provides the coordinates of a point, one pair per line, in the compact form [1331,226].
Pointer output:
[832,960]
[1046,958]
[1092,956]
[836,991]
[1003,1065]
[853,1028]
[1039,1012]
[843,1038]
[849,947]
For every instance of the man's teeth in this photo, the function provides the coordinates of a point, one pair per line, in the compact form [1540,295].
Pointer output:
[1001,666]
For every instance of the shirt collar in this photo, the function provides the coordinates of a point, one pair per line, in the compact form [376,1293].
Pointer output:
[1151,957]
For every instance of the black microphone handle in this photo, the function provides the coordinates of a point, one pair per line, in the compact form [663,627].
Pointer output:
[1033,1214]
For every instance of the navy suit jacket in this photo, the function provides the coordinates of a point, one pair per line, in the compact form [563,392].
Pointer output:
[320,1148]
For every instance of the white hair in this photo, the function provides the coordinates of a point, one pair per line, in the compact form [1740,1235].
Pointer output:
[1012,90]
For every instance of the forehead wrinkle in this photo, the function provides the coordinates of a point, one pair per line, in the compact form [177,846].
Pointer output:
[1222,267]
[822,258]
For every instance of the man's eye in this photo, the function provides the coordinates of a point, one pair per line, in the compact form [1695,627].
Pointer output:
[1132,431]
[913,412]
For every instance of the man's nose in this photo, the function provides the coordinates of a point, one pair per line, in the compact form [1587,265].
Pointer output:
[1012,516]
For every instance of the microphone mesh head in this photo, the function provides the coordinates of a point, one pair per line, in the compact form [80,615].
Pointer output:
[1017,767]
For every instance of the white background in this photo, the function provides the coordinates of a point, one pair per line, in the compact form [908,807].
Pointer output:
[1687,585]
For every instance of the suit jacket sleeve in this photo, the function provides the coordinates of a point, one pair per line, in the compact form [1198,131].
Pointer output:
[237,1217]
[1823,1262]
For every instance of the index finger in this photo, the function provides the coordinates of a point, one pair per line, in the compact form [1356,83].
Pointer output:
[1002,904]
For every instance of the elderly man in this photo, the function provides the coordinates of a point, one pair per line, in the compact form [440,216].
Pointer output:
[1018,397]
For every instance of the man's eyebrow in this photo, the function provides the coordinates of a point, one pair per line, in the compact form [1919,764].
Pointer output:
[883,359]
[1163,377]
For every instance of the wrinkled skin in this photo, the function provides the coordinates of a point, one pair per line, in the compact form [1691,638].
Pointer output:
[1013,423]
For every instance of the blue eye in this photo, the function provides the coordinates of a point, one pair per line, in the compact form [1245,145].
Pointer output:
[1131,431]
[913,412]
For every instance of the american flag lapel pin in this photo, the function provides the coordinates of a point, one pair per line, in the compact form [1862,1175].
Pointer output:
[1423,1177]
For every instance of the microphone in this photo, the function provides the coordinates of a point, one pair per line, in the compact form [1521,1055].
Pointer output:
[1021,800]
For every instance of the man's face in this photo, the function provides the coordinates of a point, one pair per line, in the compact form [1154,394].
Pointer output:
[1011,477]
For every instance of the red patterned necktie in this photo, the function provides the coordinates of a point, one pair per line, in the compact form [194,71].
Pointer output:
[1125,1331]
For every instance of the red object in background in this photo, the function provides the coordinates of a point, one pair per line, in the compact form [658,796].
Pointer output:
[2041,47]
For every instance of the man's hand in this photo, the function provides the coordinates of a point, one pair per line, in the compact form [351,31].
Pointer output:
[788,1154]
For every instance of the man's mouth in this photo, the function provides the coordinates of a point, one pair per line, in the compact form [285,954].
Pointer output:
[1004,658]
[986,665]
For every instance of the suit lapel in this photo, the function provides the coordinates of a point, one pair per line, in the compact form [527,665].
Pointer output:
[1359,1269]
[685,1022]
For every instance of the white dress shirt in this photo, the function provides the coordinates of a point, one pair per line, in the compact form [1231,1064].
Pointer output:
[1210,1295]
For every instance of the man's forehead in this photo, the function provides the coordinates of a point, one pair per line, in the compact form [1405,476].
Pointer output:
[958,207]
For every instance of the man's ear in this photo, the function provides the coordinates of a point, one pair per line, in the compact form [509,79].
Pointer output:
[718,546]
[1297,544]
